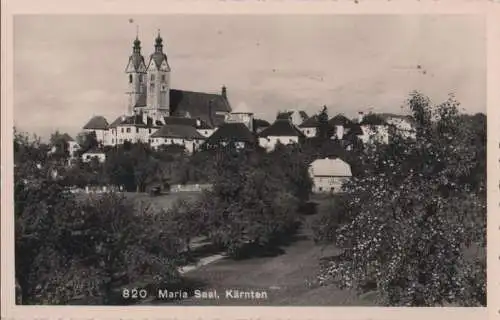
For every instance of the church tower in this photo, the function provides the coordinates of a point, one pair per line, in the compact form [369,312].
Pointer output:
[136,74]
[158,82]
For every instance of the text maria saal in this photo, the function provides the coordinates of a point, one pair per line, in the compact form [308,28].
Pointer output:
[213,294]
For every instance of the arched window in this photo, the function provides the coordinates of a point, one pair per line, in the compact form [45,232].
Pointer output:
[129,78]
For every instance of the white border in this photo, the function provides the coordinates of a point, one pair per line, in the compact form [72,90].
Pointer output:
[128,7]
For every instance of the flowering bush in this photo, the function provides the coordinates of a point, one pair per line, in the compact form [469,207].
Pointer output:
[415,212]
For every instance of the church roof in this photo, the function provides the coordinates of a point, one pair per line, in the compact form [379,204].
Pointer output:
[177,131]
[197,105]
[204,106]
[196,123]
[96,123]
[231,132]
[281,128]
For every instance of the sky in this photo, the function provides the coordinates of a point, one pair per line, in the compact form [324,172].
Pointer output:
[68,68]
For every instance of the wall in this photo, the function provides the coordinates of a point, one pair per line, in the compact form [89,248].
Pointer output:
[87,157]
[190,145]
[328,184]
[190,187]
[269,143]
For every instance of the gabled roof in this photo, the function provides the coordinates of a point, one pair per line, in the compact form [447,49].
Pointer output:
[311,122]
[231,132]
[330,168]
[281,128]
[97,123]
[177,131]
[340,120]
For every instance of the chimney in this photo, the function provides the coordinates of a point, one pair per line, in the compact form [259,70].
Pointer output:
[123,118]
[361,115]
[144,118]
[198,123]
[224,92]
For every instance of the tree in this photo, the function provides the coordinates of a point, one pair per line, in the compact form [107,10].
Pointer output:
[249,205]
[324,130]
[87,141]
[414,212]
[66,248]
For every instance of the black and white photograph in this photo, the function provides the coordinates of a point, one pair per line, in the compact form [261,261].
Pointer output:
[326,160]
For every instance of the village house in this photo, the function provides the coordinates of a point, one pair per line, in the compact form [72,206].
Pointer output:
[328,175]
[235,133]
[374,128]
[340,125]
[310,126]
[177,134]
[281,131]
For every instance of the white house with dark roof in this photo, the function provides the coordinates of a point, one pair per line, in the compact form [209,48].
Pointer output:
[310,126]
[340,125]
[177,134]
[281,131]
[329,175]
[236,133]
[99,125]
[151,100]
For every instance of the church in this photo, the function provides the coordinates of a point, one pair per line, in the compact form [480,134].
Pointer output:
[158,114]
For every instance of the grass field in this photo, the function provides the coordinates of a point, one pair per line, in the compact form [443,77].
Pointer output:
[287,276]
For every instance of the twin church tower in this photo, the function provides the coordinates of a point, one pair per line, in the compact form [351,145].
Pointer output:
[148,84]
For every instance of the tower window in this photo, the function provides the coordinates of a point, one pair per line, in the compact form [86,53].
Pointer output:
[140,78]
[152,86]
[128,130]
[137,130]
[152,77]
[163,78]
[129,78]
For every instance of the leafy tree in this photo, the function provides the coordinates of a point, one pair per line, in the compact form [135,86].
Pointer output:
[414,214]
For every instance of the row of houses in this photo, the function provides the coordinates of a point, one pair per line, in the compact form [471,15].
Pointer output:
[242,128]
